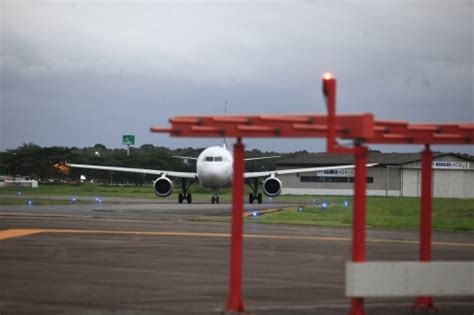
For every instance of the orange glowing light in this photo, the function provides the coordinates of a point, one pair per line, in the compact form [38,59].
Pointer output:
[328,76]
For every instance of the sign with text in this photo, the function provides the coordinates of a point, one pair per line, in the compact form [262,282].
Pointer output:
[128,139]
[450,164]
[349,172]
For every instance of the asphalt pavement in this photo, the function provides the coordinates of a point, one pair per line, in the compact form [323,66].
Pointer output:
[150,257]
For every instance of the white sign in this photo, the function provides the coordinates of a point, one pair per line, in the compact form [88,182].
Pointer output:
[340,173]
[450,164]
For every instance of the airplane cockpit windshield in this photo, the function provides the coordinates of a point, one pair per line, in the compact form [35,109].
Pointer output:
[213,159]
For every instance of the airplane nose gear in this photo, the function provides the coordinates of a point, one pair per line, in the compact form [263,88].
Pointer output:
[215,198]
[184,195]
[254,195]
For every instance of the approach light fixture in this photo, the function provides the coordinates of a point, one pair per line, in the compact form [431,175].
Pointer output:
[327,76]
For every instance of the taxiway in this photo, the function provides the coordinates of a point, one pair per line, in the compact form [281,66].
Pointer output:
[150,257]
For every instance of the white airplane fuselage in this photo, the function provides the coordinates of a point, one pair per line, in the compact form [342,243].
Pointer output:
[214,167]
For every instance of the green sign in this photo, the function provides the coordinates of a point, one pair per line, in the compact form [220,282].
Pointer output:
[128,139]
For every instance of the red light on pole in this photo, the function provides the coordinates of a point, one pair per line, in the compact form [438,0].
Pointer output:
[327,76]
[329,92]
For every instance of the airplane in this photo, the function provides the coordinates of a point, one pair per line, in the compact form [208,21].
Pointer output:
[214,169]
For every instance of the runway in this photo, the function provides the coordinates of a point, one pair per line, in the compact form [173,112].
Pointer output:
[150,257]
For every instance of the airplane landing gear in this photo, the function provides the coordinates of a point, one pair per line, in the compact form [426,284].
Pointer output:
[184,195]
[215,198]
[188,197]
[255,195]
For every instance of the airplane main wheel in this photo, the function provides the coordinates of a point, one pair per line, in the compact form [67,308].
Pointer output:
[180,198]
[259,197]
[251,198]
[189,198]
[217,199]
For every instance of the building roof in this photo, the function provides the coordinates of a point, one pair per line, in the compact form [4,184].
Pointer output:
[324,158]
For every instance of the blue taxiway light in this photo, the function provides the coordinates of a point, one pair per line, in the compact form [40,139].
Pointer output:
[346,203]
[324,205]
[300,209]
[30,203]
[18,193]
[73,200]
[254,214]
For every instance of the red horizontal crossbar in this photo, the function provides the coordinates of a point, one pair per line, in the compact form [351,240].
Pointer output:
[347,126]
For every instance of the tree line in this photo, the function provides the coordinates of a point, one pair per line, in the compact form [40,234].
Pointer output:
[37,162]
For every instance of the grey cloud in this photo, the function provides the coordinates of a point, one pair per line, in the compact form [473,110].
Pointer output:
[113,67]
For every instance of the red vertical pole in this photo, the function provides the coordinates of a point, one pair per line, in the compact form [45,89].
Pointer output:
[234,301]
[358,220]
[329,91]
[426,302]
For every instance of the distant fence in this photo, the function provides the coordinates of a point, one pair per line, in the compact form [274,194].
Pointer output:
[19,183]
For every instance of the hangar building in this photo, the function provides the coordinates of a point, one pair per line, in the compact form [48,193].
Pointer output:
[398,174]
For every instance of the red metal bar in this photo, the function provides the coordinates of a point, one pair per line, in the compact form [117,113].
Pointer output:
[424,128]
[207,129]
[284,119]
[234,301]
[426,302]
[162,130]
[358,220]
[230,119]
[259,129]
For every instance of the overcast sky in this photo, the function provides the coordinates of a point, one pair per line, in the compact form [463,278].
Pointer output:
[81,73]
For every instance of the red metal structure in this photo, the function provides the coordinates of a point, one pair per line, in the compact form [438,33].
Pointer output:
[234,301]
[362,129]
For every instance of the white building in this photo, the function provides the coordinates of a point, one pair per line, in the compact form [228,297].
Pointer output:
[398,174]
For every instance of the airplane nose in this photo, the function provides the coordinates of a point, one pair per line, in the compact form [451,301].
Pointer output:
[214,176]
[215,173]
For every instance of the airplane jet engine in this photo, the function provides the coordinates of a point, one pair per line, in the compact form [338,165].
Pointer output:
[272,186]
[163,186]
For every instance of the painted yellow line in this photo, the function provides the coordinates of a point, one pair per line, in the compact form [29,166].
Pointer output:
[62,217]
[6,234]
[145,233]
[24,232]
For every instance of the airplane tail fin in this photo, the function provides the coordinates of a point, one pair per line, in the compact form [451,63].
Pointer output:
[62,167]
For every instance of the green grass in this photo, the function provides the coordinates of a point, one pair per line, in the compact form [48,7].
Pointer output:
[199,193]
[382,212]
[83,190]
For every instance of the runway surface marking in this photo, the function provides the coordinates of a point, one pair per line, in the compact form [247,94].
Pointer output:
[6,234]
[62,217]
[25,232]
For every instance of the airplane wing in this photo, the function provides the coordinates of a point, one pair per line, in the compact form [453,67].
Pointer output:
[185,157]
[299,170]
[247,159]
[135,170]
[262,158]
